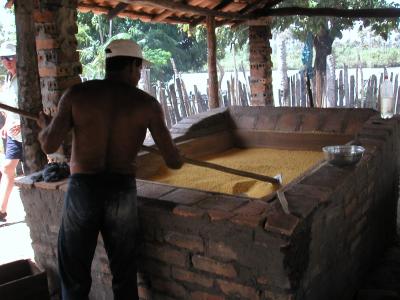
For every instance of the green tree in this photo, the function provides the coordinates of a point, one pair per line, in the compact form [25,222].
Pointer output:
[159,42]
[326,29]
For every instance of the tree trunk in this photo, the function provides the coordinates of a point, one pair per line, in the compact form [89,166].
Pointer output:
[283,86]
[212,63]
[323,47]
[29,96]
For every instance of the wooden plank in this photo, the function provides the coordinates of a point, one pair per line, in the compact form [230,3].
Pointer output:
[198,99]
[395,88]
[297,90]
[351,91]
[174,102]
[341,89]
[346,86]
[161,97]
[293,91]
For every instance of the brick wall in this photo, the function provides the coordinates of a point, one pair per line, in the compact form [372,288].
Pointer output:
[58,59]
[260,65]
[200,245]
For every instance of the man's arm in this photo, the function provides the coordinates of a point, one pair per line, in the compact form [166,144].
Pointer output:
[54,131]
[162,138]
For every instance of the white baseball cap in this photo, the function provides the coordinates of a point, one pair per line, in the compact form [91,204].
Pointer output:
[8,49]
[125,48]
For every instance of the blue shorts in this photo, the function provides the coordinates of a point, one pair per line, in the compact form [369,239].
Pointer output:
[13,149]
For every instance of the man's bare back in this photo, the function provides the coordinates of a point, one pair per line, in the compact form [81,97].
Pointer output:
[109,121]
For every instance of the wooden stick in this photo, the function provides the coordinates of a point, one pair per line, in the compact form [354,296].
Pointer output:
[217,167]
[21,112]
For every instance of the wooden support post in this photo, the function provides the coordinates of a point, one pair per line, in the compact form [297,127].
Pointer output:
[29,96]
[212,63]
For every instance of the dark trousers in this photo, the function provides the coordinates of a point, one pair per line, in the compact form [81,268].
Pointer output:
[104,203]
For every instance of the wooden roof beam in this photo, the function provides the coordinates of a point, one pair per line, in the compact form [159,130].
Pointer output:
[116,10]
[165,14]
[180,7]
[260,5]
[332,12]
[221,5]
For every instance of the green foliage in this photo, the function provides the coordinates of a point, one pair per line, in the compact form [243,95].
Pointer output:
[159,42]
[301,25]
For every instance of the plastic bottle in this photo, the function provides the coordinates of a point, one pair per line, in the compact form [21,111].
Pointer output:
[387,99]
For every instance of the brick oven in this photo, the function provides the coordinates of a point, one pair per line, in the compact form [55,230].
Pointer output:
[206,245]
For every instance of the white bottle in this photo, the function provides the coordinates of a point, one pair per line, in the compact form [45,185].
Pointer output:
[386,99]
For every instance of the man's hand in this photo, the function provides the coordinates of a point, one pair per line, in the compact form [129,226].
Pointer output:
[43,120]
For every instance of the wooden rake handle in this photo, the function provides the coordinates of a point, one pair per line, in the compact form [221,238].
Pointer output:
[217,167]
[188,160]
[21,112]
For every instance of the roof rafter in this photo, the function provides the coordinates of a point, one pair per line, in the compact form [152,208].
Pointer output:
[221,5]
[116,10]
[332,12]
[165,4]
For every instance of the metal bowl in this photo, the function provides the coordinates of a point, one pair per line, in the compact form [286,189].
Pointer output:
[343,155]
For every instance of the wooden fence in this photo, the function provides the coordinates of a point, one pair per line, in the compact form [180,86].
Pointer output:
[177,103]
[347,91]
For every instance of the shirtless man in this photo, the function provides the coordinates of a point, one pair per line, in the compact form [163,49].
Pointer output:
[109,119]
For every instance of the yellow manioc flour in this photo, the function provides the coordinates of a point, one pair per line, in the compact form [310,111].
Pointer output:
[289,163]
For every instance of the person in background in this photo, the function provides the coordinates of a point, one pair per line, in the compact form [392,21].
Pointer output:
[11,131]
[109,119]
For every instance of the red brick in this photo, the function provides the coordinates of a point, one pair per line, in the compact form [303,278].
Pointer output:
[219,249]
[48,72]
[269,295]
[213,266]
[310,122]
[63,187]
[312,191]
[251,221]
[184,275]
[222,202]
[188,211]
[253,208]
[262,280]
[184,196]
[205,296]
[144,293]
[350,207]
[167,255]
[219,215]
[46,44]
[267,121]
[43,16]
[231,288]
[191,242]
[282,223]
[153,191]
[170,288]
[50,185]
[288,122]
[156,268]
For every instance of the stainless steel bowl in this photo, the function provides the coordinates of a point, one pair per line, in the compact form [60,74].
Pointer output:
[343,155]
